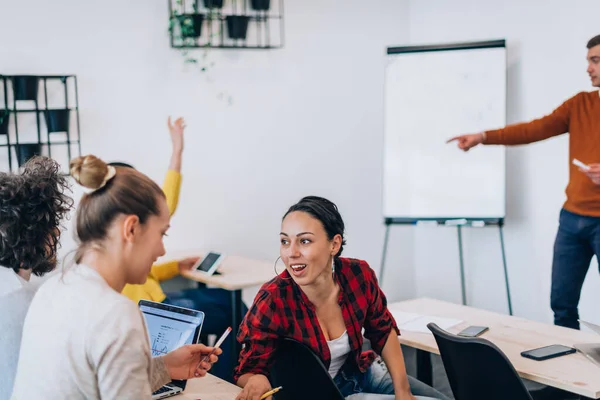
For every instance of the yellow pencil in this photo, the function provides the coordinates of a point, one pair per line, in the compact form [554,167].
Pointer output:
[270,392]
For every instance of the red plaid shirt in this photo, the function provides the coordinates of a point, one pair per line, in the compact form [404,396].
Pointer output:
[281,309]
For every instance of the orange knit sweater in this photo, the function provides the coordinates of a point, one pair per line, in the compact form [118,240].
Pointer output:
[580,116]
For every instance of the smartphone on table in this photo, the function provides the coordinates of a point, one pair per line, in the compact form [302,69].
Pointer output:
[547,352]
[473,331]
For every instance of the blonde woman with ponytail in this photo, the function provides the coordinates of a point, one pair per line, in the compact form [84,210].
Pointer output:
[82,338]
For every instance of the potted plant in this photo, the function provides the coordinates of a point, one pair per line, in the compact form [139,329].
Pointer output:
[4,122]
[27,150]
[57,120]
[237,26]
[25,87]
[190,25]
[260,5]
[213,3]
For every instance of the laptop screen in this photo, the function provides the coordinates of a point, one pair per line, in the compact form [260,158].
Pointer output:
[170,327]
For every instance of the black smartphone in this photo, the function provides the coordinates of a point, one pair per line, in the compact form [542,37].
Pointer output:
[473,331]
[544,353]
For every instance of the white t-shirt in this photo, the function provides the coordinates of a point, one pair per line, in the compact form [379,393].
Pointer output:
[15,297]
[339,349]
[83,340]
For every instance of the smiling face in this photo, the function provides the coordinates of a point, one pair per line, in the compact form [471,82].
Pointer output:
[306,250]
[593,70]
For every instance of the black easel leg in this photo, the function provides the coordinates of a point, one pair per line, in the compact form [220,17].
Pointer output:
[385,243]
[462,266]
[510,312]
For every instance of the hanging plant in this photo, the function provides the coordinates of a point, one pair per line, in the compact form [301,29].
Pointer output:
[190,25]
[186,31]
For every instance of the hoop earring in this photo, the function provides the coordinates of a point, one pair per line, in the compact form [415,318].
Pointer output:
[275,269]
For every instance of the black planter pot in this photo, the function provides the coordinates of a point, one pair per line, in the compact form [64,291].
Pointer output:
[237,26]
[190,25]
[58,120]
[213,3]
[26,87]
[4,117]
[260,5]
[27,150]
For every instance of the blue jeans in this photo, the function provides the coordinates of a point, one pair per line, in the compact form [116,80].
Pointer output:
[216,305]
[577,240]
[376,383]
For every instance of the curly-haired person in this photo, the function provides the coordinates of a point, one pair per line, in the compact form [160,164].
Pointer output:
[32,205]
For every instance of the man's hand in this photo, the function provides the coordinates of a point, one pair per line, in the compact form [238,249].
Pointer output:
[187,263]
[254,388]
[176,130]
[593,173]
[465,142]
[184,362]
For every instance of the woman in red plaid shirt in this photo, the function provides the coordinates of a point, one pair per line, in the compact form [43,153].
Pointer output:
[324,301]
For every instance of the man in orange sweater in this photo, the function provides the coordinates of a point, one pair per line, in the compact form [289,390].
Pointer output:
[578,237]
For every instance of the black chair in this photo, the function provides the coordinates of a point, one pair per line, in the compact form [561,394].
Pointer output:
[478,369]
[301,373]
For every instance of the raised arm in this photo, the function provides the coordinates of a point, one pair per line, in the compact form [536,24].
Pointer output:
[172,183]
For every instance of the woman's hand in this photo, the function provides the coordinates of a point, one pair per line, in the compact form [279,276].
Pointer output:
[256,386]
[185,362]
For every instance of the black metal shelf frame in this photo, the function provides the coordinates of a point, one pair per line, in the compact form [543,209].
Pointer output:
[67,111]
[192,24]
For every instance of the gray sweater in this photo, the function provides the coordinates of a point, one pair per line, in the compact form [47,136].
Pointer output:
[15,296]
[83,340]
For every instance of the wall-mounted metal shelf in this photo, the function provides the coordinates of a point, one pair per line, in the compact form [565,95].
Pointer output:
[51,126]
[226,24]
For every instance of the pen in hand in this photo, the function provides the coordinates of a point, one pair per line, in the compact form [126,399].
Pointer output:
[270,392]
[217,345]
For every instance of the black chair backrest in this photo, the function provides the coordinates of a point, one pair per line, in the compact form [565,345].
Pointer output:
[478,369]
[301,373]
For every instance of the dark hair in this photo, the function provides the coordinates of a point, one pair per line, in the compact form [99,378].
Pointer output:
[120,164]
[595,41]
[128,192]
[326,212]
[32,206]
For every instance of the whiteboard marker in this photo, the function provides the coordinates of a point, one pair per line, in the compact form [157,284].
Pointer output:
[581,165]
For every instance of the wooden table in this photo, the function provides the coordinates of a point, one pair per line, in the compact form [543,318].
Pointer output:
[234,274]
[208,388]
[573,373]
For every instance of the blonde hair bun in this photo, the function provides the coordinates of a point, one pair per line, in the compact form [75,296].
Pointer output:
[91,172]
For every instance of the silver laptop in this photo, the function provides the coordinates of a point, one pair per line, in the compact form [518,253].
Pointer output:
[170,327]
[590,350]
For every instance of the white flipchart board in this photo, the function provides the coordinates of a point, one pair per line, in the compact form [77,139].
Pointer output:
[433,93]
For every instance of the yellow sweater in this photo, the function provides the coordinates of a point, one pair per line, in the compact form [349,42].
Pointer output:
[151,290]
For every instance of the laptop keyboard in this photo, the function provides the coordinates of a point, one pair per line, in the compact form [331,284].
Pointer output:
[162,390]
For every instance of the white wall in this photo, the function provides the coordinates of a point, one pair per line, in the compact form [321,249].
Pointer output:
[305,119]
[546,65]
